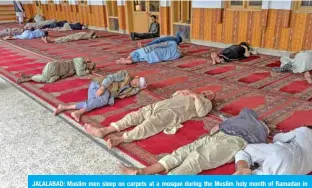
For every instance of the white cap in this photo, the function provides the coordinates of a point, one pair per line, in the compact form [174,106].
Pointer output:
[142,83]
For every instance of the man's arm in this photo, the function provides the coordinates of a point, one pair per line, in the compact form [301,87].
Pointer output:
[80,67]
[203,106]
[242,163]
[247,53]
[117,77]
[284,137]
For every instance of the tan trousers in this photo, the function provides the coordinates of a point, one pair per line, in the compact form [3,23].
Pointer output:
[147,122]
[75,36]
[206,153]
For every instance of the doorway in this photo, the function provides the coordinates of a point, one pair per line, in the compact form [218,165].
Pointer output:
[142,11]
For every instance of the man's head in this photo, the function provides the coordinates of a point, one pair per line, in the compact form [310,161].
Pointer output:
[154,18]
[245,44]
[46,33]
[178,38]
[138,82]
[90,65]
[208,95]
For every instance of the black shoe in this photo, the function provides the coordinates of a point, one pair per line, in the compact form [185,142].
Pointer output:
[132,36]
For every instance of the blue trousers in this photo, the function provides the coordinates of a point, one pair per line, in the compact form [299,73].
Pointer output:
[177,38]
[93,100]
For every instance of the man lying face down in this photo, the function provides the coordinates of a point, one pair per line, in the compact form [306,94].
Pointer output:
[290,153]
[211,151]
[164,51]
[103,91]
[166,115]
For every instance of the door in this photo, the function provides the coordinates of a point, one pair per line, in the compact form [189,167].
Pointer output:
[39,9]
[142,10]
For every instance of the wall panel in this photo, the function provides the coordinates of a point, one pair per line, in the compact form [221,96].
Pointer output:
[272,28]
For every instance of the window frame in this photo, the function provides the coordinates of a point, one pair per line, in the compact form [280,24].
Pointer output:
[244,7]
[299,8]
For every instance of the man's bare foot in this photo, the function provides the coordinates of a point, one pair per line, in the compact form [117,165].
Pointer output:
[118,61]
[23,75]
[59,109]
[213,57]
[128,170]
[45,39]
[95,131]
[76,115]
[20,80]
[307,76]
[139,44]
[112,142]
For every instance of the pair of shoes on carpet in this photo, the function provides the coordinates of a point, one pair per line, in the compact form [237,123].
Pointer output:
[284,68]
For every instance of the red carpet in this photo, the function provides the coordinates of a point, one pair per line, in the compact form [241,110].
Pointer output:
[254,77]
[245,102]
[192,64]
[304,117]
[274,64]
[282,100]
[74,96]
[25,66]
[63,85]
[296,87]
[221,70]
[251,58]
[16,62]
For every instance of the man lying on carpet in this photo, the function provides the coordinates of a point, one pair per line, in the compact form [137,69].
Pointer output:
[290,153]
[211,151]
[177,39]
[152,32]
[29,34]
[56,70]
[104,90]
[232,53]
[11,32]
[166,115]
[164,51]
[64,26]
[38,25]
[71,37]
[300,62]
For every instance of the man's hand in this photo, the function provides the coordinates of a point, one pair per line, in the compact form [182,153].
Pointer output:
[194,95]
[243,171]
[100,91]
[183,92]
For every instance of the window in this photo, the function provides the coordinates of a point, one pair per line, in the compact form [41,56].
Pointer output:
[112,8]
[306,3]
[236,3]
[182,11]
[83,2]
[248,4]
[154,6]
[139,5]
[303,5]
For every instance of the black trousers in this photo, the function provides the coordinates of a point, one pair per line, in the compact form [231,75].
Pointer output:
[144,35]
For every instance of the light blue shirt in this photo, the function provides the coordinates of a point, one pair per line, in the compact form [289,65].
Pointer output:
[159,54]
[30,34]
